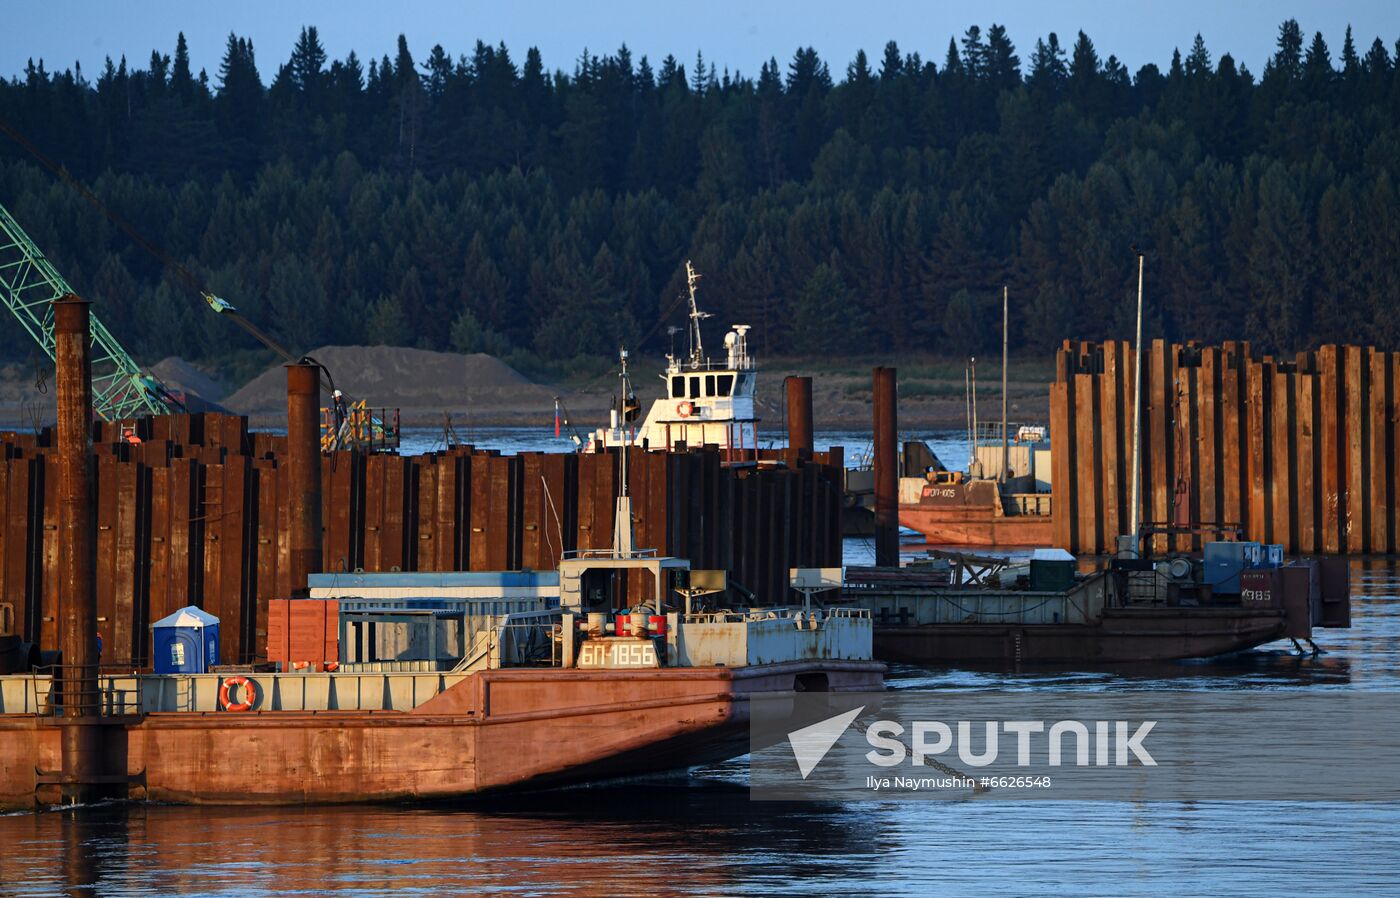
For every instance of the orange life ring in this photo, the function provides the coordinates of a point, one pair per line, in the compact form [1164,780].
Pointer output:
[685,409]
[250,695]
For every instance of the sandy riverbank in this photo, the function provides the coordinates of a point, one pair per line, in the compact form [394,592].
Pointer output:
[482,390]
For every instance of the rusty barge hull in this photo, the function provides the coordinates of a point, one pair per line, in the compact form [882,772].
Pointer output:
[967,526]
[1121,636]
[493,732]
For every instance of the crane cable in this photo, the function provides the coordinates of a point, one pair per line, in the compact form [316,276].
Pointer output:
[613,370]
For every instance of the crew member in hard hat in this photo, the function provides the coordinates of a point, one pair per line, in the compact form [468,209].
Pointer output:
[339,408]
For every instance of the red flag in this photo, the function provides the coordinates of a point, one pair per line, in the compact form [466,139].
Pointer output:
[556,420]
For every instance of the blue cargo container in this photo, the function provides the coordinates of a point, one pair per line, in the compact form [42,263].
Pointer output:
[186,642]
[1223,562]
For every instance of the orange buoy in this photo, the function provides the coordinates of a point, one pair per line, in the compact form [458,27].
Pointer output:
[685,409]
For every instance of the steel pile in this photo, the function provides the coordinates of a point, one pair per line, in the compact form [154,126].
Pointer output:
[1299,451]
[194,509]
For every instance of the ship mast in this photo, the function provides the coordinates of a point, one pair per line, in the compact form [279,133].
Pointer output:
[697,351]
[624,540]
[1128,543]
[1005,329]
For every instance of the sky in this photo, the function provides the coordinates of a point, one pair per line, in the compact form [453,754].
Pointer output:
[737,34]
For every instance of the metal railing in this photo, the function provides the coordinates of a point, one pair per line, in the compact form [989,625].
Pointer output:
[608,553]
[1031,504]
[989,432]
[56,691]
[363,428]
[781,613]
[686,366]
[520,638]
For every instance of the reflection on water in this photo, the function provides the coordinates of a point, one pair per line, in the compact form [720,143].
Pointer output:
[703,836]
[707,838]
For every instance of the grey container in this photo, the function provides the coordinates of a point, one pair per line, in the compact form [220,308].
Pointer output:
[1052,576]
[1052,570]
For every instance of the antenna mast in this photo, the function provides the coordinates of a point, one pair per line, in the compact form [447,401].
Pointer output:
[1005,329]
[624,541]
[977,462]
[622,412]
[967,394]
[1128,545]
[697,351]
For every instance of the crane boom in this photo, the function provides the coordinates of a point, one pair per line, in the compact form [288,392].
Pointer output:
[28,286]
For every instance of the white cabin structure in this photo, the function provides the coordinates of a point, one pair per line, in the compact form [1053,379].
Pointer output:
[705,401]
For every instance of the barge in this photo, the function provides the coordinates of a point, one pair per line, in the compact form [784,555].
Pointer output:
[981,610]
[569,694]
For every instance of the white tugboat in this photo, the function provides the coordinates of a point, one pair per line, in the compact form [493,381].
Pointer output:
[706,401]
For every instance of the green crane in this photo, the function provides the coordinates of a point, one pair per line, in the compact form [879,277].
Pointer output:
[28,286]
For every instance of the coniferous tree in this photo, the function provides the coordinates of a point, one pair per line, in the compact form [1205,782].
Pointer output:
[238,107]
[1048,70]
[181,82]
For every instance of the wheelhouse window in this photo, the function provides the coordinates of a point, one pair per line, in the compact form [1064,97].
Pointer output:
[678,388]
[725,385]
[709,385]
[695,387]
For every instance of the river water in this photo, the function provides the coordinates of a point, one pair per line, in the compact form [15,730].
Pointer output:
[702,835]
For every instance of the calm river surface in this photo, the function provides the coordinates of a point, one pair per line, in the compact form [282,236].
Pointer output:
[703,836]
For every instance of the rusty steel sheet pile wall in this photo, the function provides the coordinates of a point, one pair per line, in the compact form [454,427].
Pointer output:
[1298,451]
[197,513]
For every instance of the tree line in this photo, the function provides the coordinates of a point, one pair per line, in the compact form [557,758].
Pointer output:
[478,203]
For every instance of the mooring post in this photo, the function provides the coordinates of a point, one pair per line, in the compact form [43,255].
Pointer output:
[304,472]
[886,469]
[81,739]
[799,414]
[1005,340]
[1128,543]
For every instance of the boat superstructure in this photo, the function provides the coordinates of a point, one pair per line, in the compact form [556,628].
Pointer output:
[705,401]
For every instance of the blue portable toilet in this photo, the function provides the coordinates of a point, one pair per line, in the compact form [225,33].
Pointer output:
[186,642]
